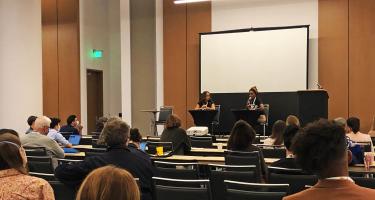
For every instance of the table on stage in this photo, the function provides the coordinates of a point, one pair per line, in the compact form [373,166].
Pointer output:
[250,116]
[153,127]
[203,117]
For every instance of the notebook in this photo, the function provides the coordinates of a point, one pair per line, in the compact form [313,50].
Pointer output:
[70,150]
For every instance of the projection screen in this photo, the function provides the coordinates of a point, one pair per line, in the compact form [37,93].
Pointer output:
[273,59]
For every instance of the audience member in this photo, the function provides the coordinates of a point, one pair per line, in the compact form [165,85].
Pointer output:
[39,138]
[15,182]
[135,143]
[241,138]
[288,162]
[115,134]
[109,183]
[100,124]
[173,133]
[30,122]
[321,148]
[292,120]
[372,130]
[54,133]
[276,137]
[72,126]
[355,135]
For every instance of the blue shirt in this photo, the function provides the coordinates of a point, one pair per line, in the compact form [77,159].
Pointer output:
[57,136]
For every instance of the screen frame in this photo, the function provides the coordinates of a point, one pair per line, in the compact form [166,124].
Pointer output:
[307,26]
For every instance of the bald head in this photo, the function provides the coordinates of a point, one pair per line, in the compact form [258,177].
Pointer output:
[42,124]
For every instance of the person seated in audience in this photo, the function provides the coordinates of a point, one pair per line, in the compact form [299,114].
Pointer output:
[135,143]
[321,148]
[255,103]
[292,120]
[241,138]
[372,130]
[206,102]
[110,183]
[115,135]
[31,123]
[39,138]
[355,135]
[72,126]
[100,124]
[173,133]
[276,137]
[14,179]
[54,133]
[288,162]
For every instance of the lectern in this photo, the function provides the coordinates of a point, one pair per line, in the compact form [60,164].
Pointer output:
[203,117]
[250,116]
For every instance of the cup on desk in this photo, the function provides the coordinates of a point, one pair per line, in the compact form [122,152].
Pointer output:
[220,146]
[159,151]
[368,160]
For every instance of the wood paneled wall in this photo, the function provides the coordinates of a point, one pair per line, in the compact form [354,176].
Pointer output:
[182,25]
[346,61]
[61,52]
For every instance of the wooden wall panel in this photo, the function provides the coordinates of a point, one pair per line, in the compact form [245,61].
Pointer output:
[362,61]
[198,20]
[175,57]
[49,58]
[333,54]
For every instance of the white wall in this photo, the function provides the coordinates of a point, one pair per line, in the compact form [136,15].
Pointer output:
[20,62]
[236,14]
[100,29]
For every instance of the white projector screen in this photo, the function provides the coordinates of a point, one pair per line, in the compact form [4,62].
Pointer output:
[274,60]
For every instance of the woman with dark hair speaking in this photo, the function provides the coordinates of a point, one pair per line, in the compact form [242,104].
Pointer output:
[206,102]
[256,104]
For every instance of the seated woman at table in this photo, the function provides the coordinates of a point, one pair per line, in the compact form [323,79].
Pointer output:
[276,137]
[206,102]
[241,138]
[255,103]
[173,133]
[289,161]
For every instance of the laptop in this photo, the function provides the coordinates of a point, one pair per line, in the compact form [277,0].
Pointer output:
[74,139]
[70,150]
[142,146]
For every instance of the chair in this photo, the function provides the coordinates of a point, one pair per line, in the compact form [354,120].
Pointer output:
[47,177]
[189,171]
[67,161]
[296,178]
[267,113]
[40,164]
[85,141]
[241,190]
[61,191]
[365,182]
[92,154]
[219,173]
[167,148]
[201,142]
[35,151]
[244,158]
[273,152]
[216,121]
[66,134]
[191,189]
[165,112]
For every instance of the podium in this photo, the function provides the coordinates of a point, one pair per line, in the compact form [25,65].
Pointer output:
[250,116]
[203,117]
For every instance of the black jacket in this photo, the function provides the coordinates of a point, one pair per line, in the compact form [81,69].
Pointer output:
[73,175]
[134,149]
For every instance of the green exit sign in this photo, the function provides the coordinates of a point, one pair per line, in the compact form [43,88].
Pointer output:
[97,53]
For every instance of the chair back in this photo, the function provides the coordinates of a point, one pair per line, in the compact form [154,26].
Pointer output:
[244,158]
[267,112]
[93,154]
[216,120]
[66,134]
[40,164]
[35,151]
[165,112]
[201,142]
[241,190]
[167,148]
[187,171]
[85,141]
[191,189]
[67,161]
[47,177]
[365,182]
[296,178]
[61,191]
[219,173]
[273,152]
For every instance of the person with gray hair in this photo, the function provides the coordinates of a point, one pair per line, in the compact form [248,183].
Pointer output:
[39,138]
[115,135]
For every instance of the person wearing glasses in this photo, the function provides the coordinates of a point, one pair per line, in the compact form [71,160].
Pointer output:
[206,102]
